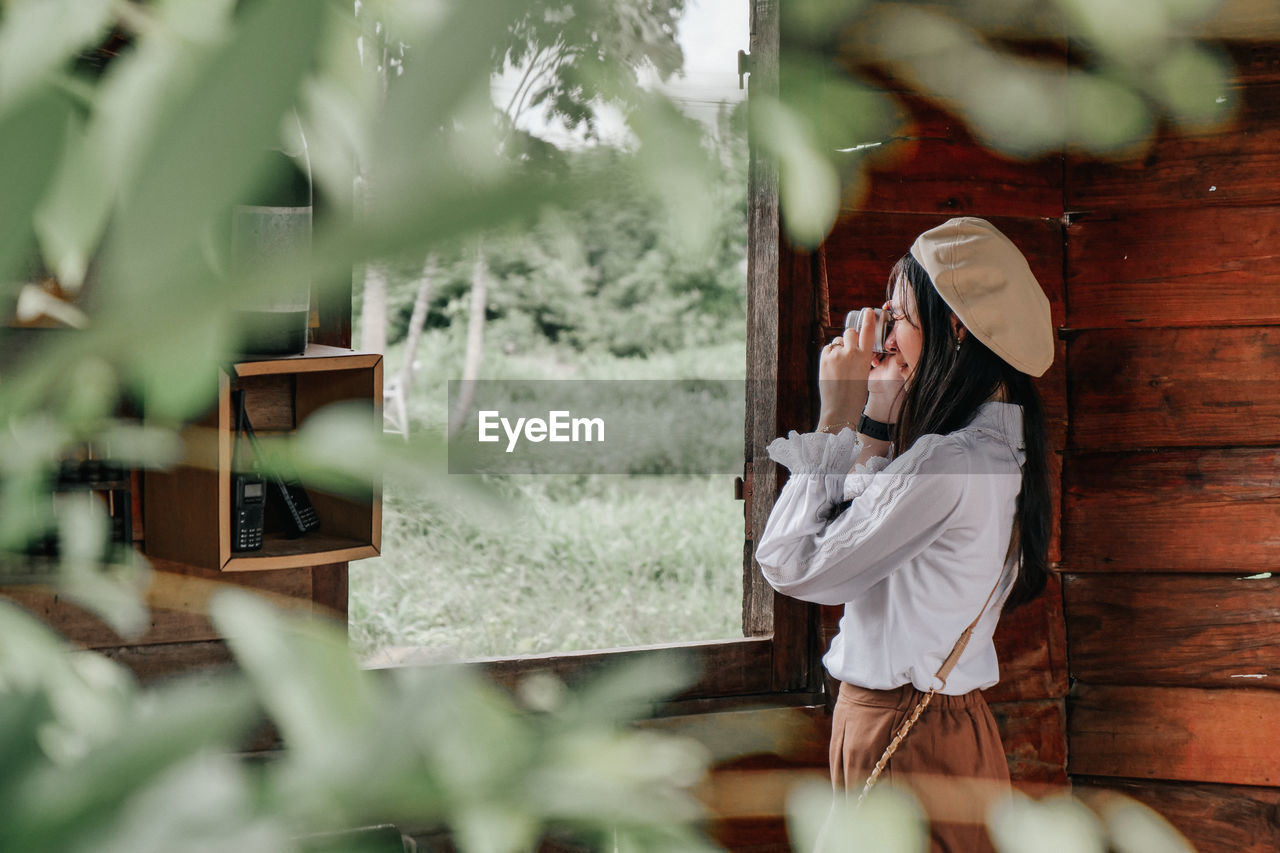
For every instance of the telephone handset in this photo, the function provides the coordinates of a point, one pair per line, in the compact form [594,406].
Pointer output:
[300,515]
[248,490]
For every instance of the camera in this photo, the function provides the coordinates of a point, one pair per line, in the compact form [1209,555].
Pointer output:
[853,320]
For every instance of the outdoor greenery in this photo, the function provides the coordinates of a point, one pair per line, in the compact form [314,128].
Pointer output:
[127,132]
[91,762]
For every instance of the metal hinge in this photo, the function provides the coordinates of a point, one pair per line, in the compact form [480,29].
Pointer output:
[742,492]
[745,66]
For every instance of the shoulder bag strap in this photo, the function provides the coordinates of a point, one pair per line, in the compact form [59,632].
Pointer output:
[943,672]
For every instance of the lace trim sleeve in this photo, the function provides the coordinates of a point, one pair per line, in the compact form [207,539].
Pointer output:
[816,452]
[861,475]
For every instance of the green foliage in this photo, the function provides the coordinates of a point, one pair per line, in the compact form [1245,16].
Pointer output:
[612,275]
[91,761]
[576,57]
[570,563]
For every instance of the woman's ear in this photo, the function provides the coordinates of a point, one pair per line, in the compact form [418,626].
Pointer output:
[957,328]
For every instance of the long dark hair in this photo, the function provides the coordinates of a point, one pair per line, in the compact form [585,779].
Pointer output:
[943,394]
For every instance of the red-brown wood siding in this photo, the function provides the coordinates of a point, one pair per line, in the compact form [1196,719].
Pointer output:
[1171,477]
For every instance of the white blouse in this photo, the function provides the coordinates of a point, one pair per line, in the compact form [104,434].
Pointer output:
[914,556]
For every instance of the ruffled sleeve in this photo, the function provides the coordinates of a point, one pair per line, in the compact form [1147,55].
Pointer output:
[897,509]
[819,459]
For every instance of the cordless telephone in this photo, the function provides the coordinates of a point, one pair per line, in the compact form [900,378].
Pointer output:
[299,515]
[248,490]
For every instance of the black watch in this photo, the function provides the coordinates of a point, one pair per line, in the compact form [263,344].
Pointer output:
[874,429]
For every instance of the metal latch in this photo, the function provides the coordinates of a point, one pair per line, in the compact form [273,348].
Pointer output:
[742,492]
[745,66]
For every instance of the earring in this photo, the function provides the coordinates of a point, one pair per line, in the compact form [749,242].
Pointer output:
[957,346]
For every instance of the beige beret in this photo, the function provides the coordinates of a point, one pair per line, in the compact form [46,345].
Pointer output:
[983,277]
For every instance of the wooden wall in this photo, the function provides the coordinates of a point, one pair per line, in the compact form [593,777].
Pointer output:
[1164,409]
[1171,479]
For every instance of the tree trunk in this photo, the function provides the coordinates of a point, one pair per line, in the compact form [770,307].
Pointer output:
[475,344]
[400,390]
[417,320]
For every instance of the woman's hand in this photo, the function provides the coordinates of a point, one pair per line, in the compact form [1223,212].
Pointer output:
[842,374]
[884,399]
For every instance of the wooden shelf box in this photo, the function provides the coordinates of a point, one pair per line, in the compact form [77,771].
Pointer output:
[188,509]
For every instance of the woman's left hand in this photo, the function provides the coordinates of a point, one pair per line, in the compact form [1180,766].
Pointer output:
[884,397]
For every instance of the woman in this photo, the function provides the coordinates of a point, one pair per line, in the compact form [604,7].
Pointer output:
[931,546]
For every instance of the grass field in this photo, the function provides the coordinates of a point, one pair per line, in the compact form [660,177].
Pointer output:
[569,561]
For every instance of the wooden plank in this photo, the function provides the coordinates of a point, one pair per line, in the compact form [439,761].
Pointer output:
[1214,818]
[725,667]
[764,244]
[1236,164]
[329,589]
[1192,631]
[316,358]
[1174,733]
[1032,649]
[269,402]
[1174,387]
[165,660]
[289,553]
[1175,267]
[1035,743]
[1256,60]
[931,164]
[795,658]
[1173,510]
[177,598]
[187,509]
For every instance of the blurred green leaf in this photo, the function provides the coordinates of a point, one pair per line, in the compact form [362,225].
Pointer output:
[174,367]
[1135,828]
[808,185]
[135,445]
[631,689]
[825,821]
[817,20]
[448,63]
[1057,824]
[61,804]
[673,162]
[1105,116]
[841,112]
[495,829]
[38,36]
[22,712]
[31,134]
[73,215]
[210,144]
[1194,84]
[201,805]
[194,20]
[83,537]
[1131,33]
[303,670]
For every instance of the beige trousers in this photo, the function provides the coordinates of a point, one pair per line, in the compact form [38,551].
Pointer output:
[953,760]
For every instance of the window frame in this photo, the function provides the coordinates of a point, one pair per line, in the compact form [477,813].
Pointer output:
[776,661]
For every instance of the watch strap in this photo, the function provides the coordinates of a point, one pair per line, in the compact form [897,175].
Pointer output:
[874,429]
